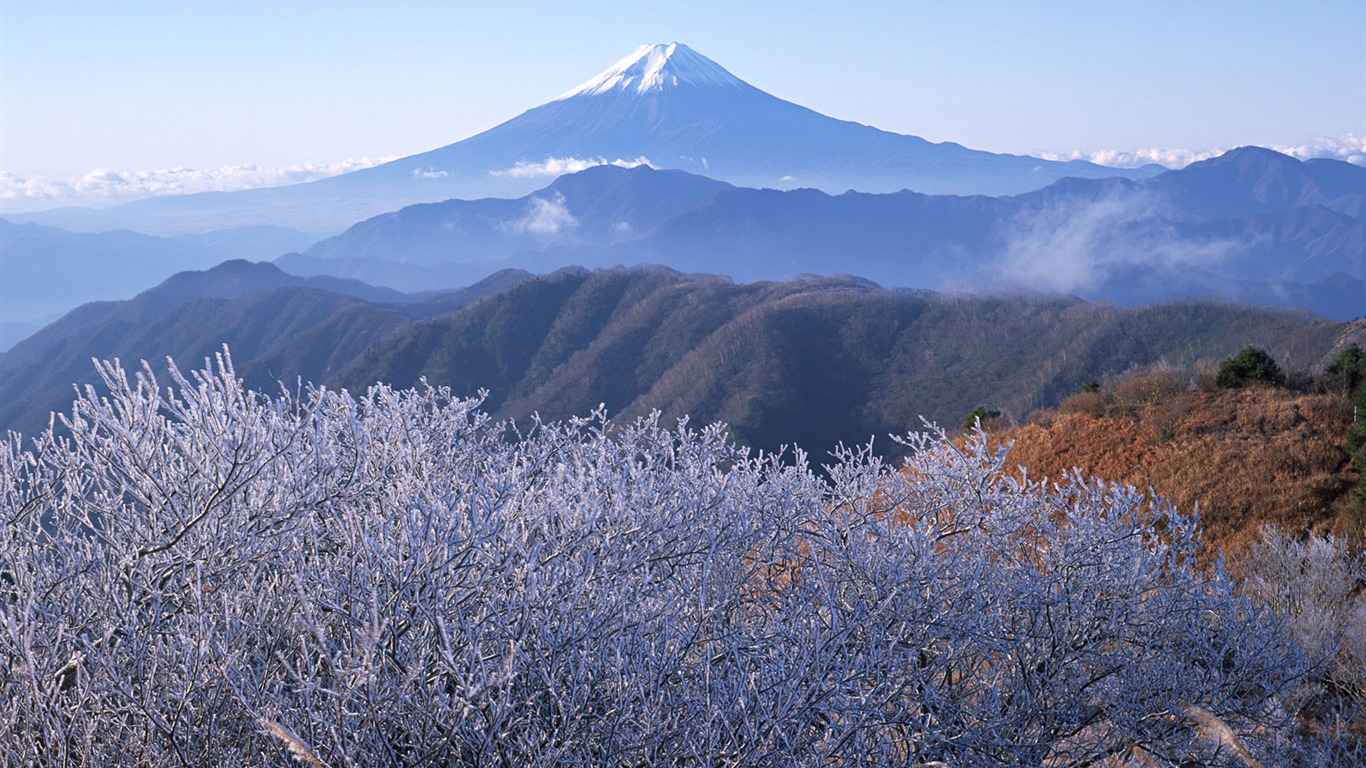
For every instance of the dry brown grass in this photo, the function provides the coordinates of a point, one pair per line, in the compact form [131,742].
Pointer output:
[1247,458]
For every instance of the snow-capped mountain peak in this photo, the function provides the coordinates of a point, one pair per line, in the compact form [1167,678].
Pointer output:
[657,68]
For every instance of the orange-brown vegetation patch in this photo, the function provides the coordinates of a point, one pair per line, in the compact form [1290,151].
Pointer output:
[1247,458]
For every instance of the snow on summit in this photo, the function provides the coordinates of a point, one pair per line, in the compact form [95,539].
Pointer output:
[657,68]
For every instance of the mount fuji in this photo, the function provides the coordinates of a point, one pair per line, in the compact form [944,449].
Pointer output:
[679,109]
[667,106]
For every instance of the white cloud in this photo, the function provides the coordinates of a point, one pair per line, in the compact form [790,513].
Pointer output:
[559,166]
[1348,147]
[546,216]
[104,185]
[428,173]
[1075,247]
[1133,158]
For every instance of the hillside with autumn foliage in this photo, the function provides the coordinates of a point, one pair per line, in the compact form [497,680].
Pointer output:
[1244,457]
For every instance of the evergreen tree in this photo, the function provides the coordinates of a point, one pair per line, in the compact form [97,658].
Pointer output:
[1252,365]
[1347,372]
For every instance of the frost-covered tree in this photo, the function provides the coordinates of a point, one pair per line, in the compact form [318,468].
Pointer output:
[1316,584]
[192,573]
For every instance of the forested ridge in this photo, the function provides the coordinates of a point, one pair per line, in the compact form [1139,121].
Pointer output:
[814,362]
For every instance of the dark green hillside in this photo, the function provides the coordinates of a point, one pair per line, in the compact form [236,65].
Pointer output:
[669,316]
[280,328]
[491,345]
[36,376]
[812,362]
[563,342]
[802,367]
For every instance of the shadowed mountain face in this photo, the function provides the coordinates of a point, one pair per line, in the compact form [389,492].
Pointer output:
[1254,180]
[812,362]
[666,105]
[460,241]
[45,272]
[254,308]
[1251,225]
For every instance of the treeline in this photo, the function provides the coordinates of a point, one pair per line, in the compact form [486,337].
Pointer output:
[814,362]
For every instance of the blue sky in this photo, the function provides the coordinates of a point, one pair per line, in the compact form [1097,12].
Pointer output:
[142,85]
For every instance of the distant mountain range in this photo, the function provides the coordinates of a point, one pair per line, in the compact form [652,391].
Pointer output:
[250,306]
[1251,225]
[582,215]
[813,361]
[665,105]
[46,272]
[685,165]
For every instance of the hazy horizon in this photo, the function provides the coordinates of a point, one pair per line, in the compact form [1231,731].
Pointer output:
[108,104]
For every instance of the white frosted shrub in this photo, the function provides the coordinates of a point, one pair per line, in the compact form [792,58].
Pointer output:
[1316,584]
[197,574]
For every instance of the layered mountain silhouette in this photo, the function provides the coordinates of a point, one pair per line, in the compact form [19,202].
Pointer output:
[458,241]
[48,272]
[665,105]
[253,307]
[813,361]
[1251,225]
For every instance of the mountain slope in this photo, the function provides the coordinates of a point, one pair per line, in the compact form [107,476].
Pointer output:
[48,271]
[458,241]
[1252,180]
[681,110]
[663,104]
[279,326]
[1252,225]
[812,362]
[1246,458]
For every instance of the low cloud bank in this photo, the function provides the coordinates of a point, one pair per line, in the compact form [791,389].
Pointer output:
[546,217]
[104,185]
[1078,247]
[1349,148]
[559,166]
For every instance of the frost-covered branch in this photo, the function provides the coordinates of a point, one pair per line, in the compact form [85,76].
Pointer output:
[204,575]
